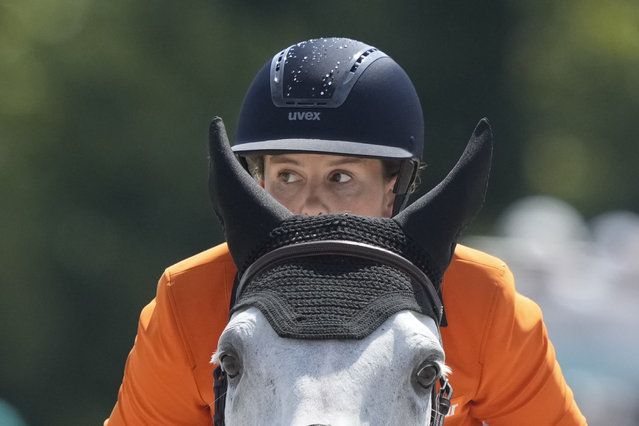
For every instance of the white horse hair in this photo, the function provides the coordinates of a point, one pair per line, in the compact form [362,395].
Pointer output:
[373,381]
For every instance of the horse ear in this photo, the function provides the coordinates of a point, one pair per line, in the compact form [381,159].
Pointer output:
[436,219]
[246,211]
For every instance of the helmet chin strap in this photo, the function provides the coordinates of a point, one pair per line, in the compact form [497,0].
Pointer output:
[405,178]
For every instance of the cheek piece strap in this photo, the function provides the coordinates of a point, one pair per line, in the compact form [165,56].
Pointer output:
[440,402]
[405,178]
[220,384]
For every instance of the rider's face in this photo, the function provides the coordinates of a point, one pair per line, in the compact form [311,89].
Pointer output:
[318,184]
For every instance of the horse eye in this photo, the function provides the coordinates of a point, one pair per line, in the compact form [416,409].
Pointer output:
[427,375]
[231,365]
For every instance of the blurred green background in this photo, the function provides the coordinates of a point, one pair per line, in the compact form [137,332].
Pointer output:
[104,112]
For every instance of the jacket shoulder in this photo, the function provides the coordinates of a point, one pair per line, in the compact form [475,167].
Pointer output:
[473,281]
[213,258]
[473,284]
[200,286]
[504,366]
[467,259]
[198,291]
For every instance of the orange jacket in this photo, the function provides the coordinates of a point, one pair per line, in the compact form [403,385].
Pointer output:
[504,367]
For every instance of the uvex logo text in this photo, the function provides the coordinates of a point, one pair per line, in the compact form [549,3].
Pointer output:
[300,115]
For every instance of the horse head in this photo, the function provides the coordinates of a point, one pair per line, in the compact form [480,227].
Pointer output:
[335,318]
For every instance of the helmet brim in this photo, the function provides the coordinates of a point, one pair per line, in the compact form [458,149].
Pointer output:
[322,146]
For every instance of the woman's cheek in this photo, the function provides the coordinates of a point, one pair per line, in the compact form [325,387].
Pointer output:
[284,194]
[352,191]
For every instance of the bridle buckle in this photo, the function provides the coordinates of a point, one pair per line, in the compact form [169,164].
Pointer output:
[441,402]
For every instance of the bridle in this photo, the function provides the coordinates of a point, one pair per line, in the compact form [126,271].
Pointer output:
[440,404]
[440,398]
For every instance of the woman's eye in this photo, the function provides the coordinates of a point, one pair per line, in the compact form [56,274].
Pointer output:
[231,365]
[427,375]
[288,177]
[340,177]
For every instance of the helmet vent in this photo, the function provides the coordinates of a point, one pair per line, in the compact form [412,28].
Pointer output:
[361,58]
[278,62]
[319,73]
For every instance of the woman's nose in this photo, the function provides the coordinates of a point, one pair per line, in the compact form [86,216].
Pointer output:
[314,202]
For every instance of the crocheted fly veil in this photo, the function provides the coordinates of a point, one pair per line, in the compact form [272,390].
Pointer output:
[336,277]
[340,276]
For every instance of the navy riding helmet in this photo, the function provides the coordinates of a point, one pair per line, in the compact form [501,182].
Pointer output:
[334,96]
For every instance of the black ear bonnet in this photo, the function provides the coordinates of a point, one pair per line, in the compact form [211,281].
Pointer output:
[340,276]
[337,276]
